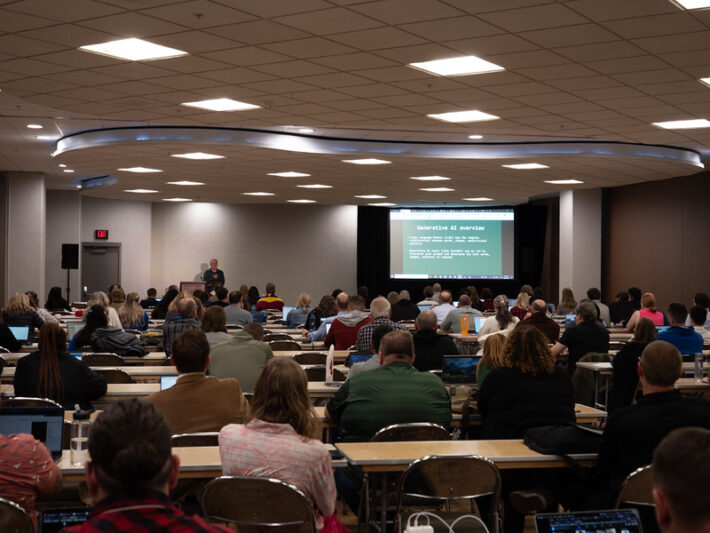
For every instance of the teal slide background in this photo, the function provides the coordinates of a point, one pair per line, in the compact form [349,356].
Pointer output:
[457,247]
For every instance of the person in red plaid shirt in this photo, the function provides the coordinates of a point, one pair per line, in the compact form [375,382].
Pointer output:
[131,473]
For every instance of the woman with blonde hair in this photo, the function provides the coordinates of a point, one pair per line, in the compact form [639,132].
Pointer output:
[19,312]
[297,317]
[567,304]
[280,438]
[131,314]
[116,297]
[521,306]
[245,297]
[648,310]
[492,357]
[101,298]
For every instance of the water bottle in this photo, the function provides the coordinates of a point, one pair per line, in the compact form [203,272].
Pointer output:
[79,443]
[699,366]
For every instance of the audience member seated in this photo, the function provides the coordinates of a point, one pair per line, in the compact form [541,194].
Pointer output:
[106,338]
[392,297]
[686,339]
[625,377]
[43,313]
[487,300]
[19,312]
[702,300]
[116,298]
[404,309]
[221,298]
[374,361]
[452,322]
[344,329]
[242,357]
[585,337]
[502,322]
[595,296]
[52,373]
[521,307]
[632,433]
[539,319]
[27,472]
[151,301]
[429,346]
[55,302]
[681,481]
[492,357]
[161,308]
[648,310]
[281,437]
[428,294]
[444,306]
[172,307]
[101,298]
[132,315]
[475,299]
[196,402]
[131,472]
[185,319]
[567,304]
[297,316]
[620,309]
[7,339]
[380,311]
[214,324]
[270,301]
[94,318]
[634,299]
[328,310]
[235,313]
[698,317]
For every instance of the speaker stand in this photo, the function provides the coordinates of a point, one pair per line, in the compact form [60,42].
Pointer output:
[68,288]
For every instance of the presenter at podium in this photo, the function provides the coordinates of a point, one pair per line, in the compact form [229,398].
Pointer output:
[213,276]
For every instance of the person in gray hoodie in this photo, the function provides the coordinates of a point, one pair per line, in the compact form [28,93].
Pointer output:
[344,329]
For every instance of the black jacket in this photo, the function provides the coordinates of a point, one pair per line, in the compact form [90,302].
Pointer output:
[429,349]
[81,384]
[625,377]
[404,310]
[8,340]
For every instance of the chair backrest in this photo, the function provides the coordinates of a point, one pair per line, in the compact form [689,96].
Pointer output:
[310,358]
[451,477]
[412,431]
[206,438]
[103,359]
[249,397]
[14,519]
[284,345]
[637,488]
[115,375]
[253,503]
[317,373]
[22,401]
[277,337]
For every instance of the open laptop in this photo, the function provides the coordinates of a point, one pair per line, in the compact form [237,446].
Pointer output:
[74,327]
[44,423]
[167,381]
[659,329]
[21,333]
[55,520]
[285,311]
[478,322]
[459,369]
[613,521]
[424,307]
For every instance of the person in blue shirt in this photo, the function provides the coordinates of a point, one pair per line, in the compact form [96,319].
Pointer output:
[686,339]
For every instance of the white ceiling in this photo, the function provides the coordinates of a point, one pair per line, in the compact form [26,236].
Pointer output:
[575,70]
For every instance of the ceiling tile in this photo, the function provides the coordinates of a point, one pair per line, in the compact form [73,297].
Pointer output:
[652,76]
[236,75]
[569,35]
[18,46]
[198,14]
[192,64]
[613,9]
[196,42]
[134,71]
[246,56]
[495,44]
[335,80]
[31,67]
[534,18]
[404,11]
[600,51]
[627,64]
[377,38]
[329,21]
[294,69]
[699,40]
[356,61]
[70,35]
[258,32]
[11,21]
[465,27]
[310,48]
[534,58]
[275,8]
[65,10]
[652,26]
[132,25]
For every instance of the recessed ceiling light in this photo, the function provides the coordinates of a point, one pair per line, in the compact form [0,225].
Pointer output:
[692,4]
[35,126]
[68,171]
[479,199]
[382,204]
[185,182]
[197,155]
[140,170]
[464,116]
[305,130]
[475,137]
[47,137]
[370,196]
[430,178]
[258,193]
[302,201]
[367,161]
[437,189]
[140,191]
[315,186]
[526,166]
[564,182]
[133,50]
[706,81]
[62,165]
[177,200]
[683,124]
[289,174]
[221,104]
[457,66]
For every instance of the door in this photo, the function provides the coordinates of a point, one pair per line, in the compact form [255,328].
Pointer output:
[100,266]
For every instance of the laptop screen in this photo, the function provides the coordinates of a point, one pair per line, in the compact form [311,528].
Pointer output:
[459,368]
[356,358]
[74,327]
[44,423]
[285,311]
[618,520]
[55,520]
[167,381]
[21,333]
[424,307]
[327,327]
[479,320]
[659,329]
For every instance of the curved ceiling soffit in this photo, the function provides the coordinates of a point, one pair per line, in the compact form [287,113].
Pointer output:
[315,144]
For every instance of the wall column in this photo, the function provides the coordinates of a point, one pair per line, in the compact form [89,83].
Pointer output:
[580,240]
[25,230]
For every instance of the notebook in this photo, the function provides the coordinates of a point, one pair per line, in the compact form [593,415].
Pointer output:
[616,521]
[21,333]
[167,381]
[458,369]
[55,520]
[44,423]
[478,321]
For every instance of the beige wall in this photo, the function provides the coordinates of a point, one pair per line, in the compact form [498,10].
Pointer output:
[658,238]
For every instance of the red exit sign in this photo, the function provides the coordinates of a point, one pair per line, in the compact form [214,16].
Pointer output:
[101,234]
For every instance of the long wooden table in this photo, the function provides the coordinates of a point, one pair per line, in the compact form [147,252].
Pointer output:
[151,358]
[139,373]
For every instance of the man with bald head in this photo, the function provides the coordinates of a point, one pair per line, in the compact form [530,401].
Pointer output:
[380,310]
[429,346]
[405,308]
[445,306]
[632,433]
[452,322]
[539,319]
